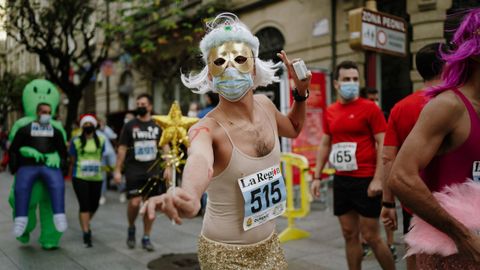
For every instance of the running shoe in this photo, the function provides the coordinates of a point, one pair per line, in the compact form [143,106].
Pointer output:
[87,239]
[367,251]
[147,244]
[393,250]
[131,238]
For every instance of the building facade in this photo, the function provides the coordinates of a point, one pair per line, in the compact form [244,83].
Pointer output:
[317,32]
[314,30]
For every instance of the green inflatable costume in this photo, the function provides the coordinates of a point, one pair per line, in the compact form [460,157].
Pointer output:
[38,91]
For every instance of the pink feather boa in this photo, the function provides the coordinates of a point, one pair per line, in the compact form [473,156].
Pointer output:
[462,201]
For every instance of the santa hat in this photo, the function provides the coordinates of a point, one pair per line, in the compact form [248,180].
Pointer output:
[88,118]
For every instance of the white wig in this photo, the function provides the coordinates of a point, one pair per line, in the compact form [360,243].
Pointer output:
[227,27]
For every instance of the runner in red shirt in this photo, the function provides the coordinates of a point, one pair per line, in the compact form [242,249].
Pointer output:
[353,128]
[403,117]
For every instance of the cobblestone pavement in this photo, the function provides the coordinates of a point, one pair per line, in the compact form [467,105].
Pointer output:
[323,250]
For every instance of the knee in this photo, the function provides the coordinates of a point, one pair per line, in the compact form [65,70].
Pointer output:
[135,202]
[350,234]
[372,238]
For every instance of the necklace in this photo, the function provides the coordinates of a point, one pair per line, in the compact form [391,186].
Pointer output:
[231,123]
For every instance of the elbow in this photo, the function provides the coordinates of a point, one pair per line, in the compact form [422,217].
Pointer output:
[387,159]
[393,182]
[296,133]
[397,182]
[297,128]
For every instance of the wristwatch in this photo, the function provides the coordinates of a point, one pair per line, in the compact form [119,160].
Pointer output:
[297,96]
[388,204]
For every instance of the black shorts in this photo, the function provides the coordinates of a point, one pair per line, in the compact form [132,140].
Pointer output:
[139,183]
[350,193]
[407,217]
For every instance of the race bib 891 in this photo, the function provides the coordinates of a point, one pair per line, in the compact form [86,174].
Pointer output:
[264,195]
[145,150]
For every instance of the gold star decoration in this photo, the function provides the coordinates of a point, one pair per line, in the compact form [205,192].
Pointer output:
[174,126]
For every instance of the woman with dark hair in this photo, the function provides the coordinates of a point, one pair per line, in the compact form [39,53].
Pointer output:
[86,153]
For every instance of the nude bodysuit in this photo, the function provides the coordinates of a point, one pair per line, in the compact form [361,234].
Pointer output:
[223,220]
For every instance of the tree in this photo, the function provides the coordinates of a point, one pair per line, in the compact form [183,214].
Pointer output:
[11,87]
[162,37]
[63,33]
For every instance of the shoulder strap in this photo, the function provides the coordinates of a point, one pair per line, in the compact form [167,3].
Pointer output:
[224,129]
[474,119]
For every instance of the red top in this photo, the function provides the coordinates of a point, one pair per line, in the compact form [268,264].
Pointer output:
[403,117]
[459,164]
[356,122]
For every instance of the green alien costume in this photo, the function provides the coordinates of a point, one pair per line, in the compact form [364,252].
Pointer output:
[38,91]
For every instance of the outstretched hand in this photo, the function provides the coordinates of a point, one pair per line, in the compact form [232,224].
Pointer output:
[175,206]
[302,85]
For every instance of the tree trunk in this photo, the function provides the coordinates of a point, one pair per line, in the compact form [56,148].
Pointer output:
[72,111]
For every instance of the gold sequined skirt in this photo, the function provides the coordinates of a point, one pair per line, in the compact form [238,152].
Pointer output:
[266,254]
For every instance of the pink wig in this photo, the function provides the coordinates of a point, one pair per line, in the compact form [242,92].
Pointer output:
[466,41]
[461,201]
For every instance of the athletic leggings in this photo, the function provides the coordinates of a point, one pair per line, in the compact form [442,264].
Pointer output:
[88,194]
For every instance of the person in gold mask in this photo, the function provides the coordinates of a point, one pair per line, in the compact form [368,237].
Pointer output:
[235,153]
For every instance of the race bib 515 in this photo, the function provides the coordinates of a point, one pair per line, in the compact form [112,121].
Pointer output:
[264,195]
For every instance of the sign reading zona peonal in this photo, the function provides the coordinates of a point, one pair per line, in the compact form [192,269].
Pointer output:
[377,31]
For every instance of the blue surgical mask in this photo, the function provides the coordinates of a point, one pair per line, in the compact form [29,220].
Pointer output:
[44,119]
[349,90]
[232,84]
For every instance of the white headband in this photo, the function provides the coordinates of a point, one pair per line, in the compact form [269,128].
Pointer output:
[227,27]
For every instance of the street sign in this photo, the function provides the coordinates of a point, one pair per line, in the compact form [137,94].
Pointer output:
[377,31]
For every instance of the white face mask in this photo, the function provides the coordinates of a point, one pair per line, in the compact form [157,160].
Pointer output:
[192,114]
[44,119]
[232,84]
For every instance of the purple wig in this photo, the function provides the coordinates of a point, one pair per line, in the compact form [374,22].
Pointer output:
[458,63]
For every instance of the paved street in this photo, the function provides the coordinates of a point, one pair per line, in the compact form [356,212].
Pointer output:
[323,250]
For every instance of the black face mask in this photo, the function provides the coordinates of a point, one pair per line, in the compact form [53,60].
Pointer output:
[89,129]
[142,111]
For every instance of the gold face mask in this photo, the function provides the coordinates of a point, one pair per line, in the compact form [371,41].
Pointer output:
[237,53]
